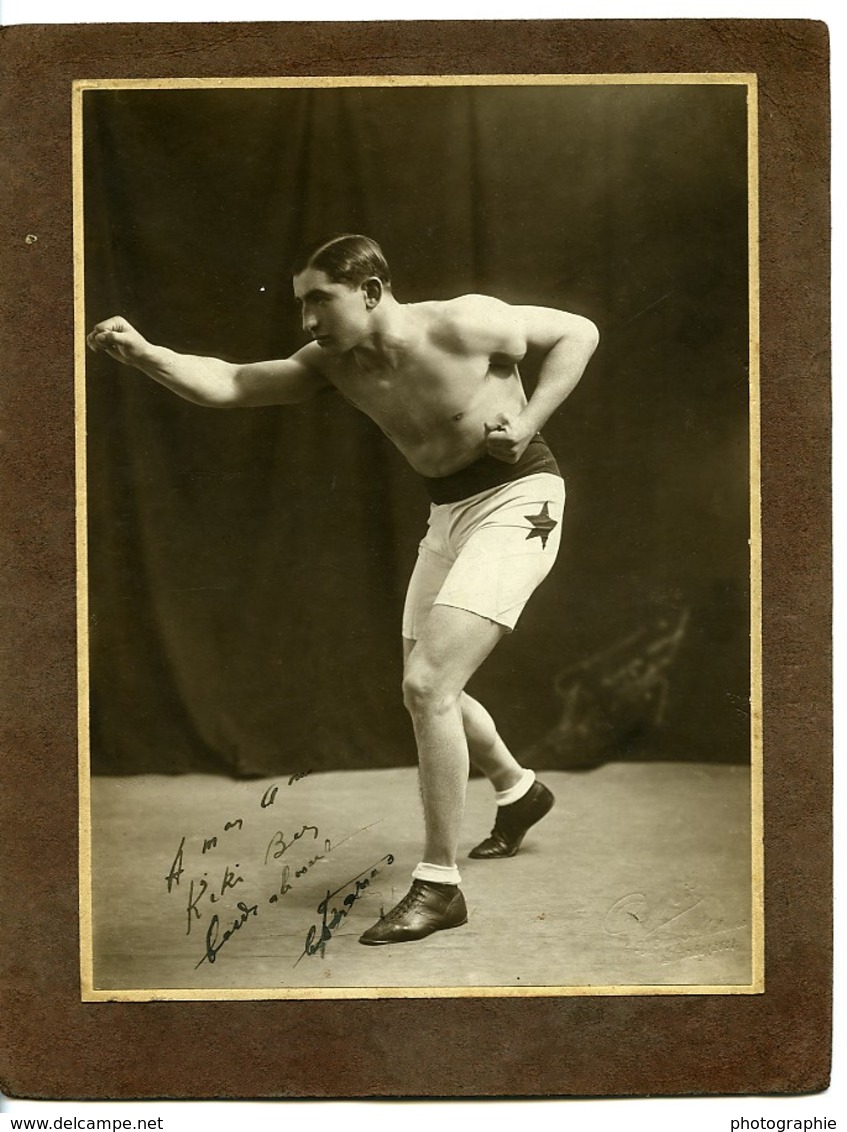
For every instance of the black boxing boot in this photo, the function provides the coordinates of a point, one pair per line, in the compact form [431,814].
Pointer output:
[512,822]
[426,908]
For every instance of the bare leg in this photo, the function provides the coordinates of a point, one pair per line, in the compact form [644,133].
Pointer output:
[487,750]
[447,723]
[515,815]
[452,646]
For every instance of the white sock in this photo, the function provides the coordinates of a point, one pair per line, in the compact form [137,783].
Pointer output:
[437,874]
[516,792]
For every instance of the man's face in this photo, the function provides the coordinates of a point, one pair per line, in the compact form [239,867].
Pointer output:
[335,314]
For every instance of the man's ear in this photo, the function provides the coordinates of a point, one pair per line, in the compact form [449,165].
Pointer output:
[373,289]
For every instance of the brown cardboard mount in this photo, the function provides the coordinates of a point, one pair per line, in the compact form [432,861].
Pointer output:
[52,1044]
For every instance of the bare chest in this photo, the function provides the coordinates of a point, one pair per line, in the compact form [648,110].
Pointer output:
[424,395]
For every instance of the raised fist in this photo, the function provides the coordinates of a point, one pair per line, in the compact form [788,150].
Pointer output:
[117,338]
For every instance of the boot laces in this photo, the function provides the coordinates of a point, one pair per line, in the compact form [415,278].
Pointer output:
[416,895]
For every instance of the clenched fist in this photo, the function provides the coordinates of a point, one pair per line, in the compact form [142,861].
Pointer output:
[506,439]
[117,338]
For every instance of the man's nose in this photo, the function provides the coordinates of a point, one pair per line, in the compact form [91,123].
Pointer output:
[309,321]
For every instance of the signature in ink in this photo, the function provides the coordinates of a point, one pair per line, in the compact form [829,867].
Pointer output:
[213,931]
[209,889]
[230,879]
[280,845]
[270,795]
[331,920]
[285,884]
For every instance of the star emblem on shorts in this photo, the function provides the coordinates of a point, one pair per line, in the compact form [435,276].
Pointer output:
[543,525]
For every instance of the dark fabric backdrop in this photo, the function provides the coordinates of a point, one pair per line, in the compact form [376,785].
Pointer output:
[247,567]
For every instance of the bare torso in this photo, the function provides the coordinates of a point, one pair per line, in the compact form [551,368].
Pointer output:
[433,392]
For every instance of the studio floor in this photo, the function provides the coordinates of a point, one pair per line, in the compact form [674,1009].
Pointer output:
[640,876]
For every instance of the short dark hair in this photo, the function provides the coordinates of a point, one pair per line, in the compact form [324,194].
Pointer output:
[347,259]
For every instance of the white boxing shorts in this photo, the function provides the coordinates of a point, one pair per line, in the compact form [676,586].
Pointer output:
[487,553]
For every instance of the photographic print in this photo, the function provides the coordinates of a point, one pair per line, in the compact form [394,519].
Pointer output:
[418,530]
[284,813]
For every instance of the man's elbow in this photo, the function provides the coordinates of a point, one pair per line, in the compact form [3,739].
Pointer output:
[578,332]
[217,397]
[207,382]
[589,334]
[226,390]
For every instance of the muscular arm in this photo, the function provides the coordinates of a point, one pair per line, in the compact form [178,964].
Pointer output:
[567,342]
[505,333]
[210,381]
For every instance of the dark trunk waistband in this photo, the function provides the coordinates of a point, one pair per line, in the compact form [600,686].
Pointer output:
[488,472]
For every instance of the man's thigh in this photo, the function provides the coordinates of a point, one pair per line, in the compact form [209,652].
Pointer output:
[428,576]
[451,646]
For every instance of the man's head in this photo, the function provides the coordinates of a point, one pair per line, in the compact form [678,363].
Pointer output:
[348,259]
[338,286]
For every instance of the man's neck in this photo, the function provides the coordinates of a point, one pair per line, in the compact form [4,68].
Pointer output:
[388,341]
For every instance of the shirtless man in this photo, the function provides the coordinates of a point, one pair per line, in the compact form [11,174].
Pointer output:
[441,380]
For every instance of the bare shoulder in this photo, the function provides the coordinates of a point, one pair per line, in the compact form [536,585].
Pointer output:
[312,359]
[477,324]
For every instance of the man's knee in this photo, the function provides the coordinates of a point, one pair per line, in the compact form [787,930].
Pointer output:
[426,692]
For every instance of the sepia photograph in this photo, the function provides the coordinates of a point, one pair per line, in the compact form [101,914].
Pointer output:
[418,536]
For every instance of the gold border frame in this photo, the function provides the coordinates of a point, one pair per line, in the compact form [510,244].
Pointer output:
[757,985]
